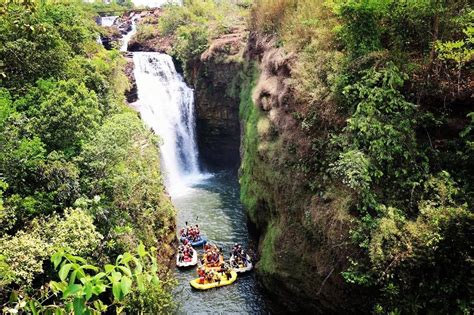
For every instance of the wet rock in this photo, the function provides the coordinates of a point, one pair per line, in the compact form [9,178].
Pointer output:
[132,93]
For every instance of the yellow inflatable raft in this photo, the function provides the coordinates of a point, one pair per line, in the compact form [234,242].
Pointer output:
[222,281]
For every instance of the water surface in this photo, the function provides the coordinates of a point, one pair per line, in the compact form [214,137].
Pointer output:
[214,204]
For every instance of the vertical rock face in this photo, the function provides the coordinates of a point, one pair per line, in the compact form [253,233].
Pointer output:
[216,79]
[131,93]
[303,236]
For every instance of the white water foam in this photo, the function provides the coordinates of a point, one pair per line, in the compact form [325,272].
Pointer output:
[166,104]
[126,38]
[108,20]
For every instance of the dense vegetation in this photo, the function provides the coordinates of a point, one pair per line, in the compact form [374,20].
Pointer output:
[358,151]
[374,184]
[83,211]
[381,91]
[193,26]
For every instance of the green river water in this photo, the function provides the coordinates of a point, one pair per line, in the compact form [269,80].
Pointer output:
[214,204]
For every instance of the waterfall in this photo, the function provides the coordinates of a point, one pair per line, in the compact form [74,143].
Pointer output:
[108,20]
[126,38]
[166,104]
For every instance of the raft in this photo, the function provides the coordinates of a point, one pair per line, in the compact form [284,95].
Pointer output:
[241,268]
[183,264]
[215,267]
[215,284]
[200,242]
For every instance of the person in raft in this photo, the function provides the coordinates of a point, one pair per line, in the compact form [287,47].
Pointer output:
[202,274]
[225,269]
[191,233]
[194,233]
[240,256]
[185,251]
[211,257]
[208,276]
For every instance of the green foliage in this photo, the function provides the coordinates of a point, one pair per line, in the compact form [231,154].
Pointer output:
[249,113]
[66,138]
[74,232]
[82,286]
[121,163]
[359,68]
[405,254]
[67,116]
[39,45]
[6,106]
[60,178]
[102,74]
[459,51]
[196,22]
[20,158]
[401,26]
[381,128]
[353,168]
[26,251]
[145,32]
[361,32]
[191,41]
[267,261]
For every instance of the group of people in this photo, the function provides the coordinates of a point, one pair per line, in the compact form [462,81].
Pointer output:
[213,268]
[192,233]
[185,251]
[240,256]
[212,256]
[210,275]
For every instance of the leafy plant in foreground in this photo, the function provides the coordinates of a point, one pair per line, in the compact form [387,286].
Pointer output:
[87,289]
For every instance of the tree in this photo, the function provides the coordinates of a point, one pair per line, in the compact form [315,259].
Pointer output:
[68,116]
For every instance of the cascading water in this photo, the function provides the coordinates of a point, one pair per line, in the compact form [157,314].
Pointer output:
[166,104]
[107,20]
[126,38]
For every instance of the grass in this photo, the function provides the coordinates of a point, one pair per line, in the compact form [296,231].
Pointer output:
[267,260]
[249,114]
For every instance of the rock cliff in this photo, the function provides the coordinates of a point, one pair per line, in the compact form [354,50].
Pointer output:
[215,77]
[304,237]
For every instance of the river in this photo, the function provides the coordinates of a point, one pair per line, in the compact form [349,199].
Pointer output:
[166,105]
[214,204]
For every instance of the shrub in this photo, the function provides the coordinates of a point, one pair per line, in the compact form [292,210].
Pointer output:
[191,41]
[414,258]
[121,164]
[353,168]
[74,232]
[268,16]
[196,22]
[24,253]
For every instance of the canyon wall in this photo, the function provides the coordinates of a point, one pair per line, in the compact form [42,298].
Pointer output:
[303,242]
[215,77]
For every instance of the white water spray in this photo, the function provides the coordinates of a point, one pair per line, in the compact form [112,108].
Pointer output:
[166,104]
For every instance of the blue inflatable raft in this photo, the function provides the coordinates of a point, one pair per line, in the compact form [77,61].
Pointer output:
[198,243]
